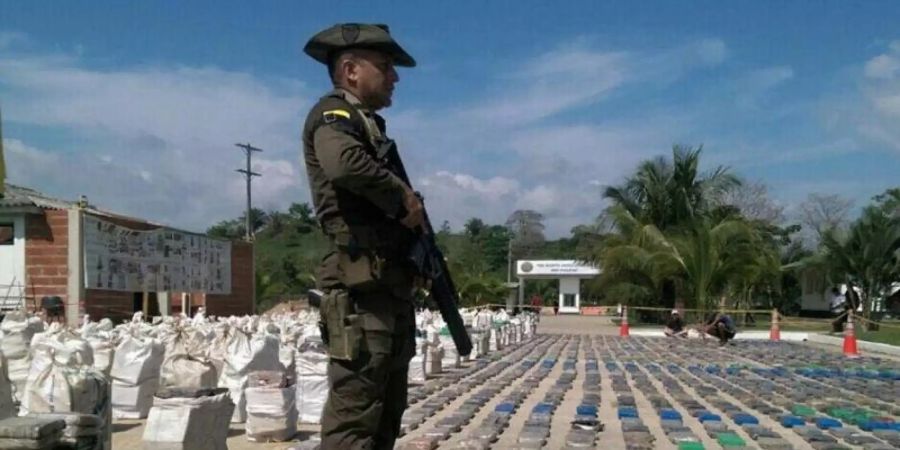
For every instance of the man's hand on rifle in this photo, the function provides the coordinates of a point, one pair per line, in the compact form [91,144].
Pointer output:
[415,211]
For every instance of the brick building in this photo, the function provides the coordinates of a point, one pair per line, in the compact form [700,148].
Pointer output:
[43,254]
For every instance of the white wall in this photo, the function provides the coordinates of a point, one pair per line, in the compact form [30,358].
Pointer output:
[570,286]
[12,257]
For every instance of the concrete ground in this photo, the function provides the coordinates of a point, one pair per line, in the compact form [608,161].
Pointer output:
[579,334]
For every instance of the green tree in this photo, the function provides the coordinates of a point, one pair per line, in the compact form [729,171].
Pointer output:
[226,229]
[889,201]
[527,229]
[867,256]
[302,217]
[258,219]
[474,227]
[277,221]
[660,200]
[668,194]
[493,242]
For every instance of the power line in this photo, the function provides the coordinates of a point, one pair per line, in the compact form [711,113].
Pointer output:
[248,174]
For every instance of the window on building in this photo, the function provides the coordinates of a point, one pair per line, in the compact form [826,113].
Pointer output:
[7,234]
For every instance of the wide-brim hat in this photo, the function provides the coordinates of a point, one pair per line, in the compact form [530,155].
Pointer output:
[326,43]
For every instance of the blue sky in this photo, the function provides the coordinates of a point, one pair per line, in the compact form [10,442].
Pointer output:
[514,104]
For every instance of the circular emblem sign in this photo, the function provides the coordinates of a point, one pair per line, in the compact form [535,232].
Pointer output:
[526,267]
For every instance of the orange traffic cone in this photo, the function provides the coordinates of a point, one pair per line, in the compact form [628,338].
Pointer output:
[623,329]
[775,331]
[850,337]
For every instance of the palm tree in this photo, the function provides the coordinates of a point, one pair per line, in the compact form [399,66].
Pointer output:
[476,288]
[630,273]
[711,257]
[669,194]
[867,257]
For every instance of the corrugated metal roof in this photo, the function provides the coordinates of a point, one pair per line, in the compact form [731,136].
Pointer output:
[16,196]
[22,197]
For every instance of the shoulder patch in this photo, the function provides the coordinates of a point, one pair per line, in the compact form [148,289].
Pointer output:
[333,115]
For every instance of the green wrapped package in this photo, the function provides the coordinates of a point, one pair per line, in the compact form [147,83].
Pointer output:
[690,446]
[730,440]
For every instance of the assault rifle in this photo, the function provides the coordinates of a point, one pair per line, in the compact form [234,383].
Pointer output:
[429,262]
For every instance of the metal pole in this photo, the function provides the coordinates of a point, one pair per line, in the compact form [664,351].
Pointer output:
[248,174]
[509,261]
[249,202]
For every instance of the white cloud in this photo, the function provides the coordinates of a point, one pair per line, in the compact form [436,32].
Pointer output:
[876,110]
[556,169]
[551,83]
[158,142]
[768,78]
[756,85]
[155,142]
[456,197]
[885,66]
[710,51]
[541,198]
[576,75]
[11,38]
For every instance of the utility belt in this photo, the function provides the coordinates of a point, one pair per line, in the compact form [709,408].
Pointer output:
[358,265]
[366,258]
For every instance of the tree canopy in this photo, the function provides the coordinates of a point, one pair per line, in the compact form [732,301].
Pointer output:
[670,233]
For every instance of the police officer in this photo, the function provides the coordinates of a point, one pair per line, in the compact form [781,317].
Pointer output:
[369,214]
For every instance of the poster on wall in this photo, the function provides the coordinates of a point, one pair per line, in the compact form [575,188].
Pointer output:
[122,259]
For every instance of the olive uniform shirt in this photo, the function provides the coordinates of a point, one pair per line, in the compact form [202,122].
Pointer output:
[357,199]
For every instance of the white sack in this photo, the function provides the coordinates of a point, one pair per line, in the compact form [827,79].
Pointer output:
[417,364]
[247,354]
[312,392]
[189,423]
[451,356]
[271,414]
[133,402]
[137,359]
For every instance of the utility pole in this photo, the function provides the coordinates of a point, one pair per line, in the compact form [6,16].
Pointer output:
[248,174]
[2,161]
[509,261]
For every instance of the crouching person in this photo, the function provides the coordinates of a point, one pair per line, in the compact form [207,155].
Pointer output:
[675,325]
[722,327]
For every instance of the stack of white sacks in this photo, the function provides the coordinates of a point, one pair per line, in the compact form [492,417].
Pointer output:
[481,333]
[62,379]
[60,370]
[189,419]
[271,407]
[312,379]
[99,336]
[135,374]
[247,351]
[489,331]
[418,364]
[17,331]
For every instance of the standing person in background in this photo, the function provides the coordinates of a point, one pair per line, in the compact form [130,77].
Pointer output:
[536,303]
[838,308]
[370,216]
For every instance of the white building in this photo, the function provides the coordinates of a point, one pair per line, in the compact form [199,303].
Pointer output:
[568,272]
